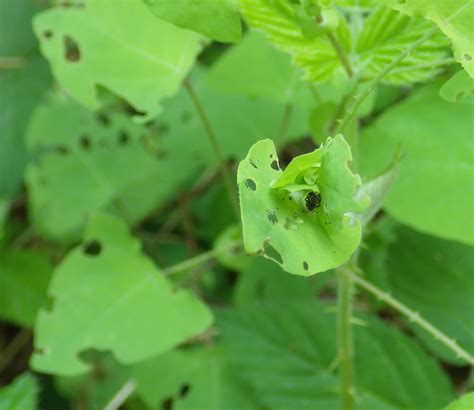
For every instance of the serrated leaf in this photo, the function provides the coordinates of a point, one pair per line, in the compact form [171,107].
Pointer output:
[434,191]
[465,402]
[434,277]
[453,17]
[287,352]
[146,58]
[278,224]
[24,278]
[459,88]
[85,166]
[108,296]
[386,33]
[21,394]
[217,19]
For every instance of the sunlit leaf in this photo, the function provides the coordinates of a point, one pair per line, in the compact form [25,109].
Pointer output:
[459,88]
[465,402]
[21,394]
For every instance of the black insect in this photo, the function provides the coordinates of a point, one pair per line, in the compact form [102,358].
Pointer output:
[312,201]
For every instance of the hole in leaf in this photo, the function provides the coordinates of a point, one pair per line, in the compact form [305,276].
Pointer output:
[272,217]
[103,119]
[305,265]
[123,138]
[184,390]
[85,142]
[250,184]
[253,163]
[272,253]
[167,404]
[468,57]
[71,50]
[47,34]
[62,149]
[92,248]
[274,165]
[459,96]
[290,225]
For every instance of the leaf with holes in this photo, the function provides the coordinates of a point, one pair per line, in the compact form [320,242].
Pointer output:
[278,224]
[217,19]
[453,17]
[108,296]
[21,394]
[146,58]
[459,88]
[84,165]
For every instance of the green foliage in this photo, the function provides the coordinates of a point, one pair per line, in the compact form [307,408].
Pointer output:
[276,220]
[24,277]
[143,64]
[453,17]
[287,352]
[106,292]
[217,19]
[21,394]
[459,88]
[432,193]
[466,402]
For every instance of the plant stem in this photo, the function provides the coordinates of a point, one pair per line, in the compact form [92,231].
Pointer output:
[341,54]
[7,63]
[414,317]
[20,340]
[202,258]
[215,146]
[285,122]
[122,395]
[344,335]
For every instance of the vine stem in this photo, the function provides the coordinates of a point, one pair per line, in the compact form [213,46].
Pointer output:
[414,317]
[202,258]
[121,396]
[215,146]
[341,54]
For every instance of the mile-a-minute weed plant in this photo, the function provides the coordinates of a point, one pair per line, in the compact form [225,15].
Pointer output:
[122,122]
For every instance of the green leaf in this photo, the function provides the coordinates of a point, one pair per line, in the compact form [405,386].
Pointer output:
[217,19]
[453,17]
[287,352]
[278,224]
[434,191]
[465,402]
[459,88]
[86,168]
[434,277]
[271,74]
[386,33]
[109,296]
[193,379]
[21,394]
[24,278]
[146,58]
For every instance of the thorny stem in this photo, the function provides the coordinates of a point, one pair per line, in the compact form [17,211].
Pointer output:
[202,258]
[121,396]
[414,317]
[215,146]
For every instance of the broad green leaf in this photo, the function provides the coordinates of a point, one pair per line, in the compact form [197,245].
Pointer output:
[24,278]
[383,37]
[465,402]
[270,75]
[434,277]
[146,58]
[217,19]
[278,224]
[459,88]
[89,166]
[193,379]
[453,17]
[287,353]
[434,191]
[21,394]
[278,20]
[108,296]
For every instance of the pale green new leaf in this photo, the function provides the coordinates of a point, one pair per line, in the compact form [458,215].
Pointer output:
[119,46]
[434,191]
[278,224]
[24,278]
[459,88]
[21,394]
[217,19]
[108,296]
[386,33]
[453,17]
[434,277]
[287,353]
[465,402]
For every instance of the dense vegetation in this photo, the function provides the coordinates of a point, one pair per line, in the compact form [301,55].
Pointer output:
[236,205]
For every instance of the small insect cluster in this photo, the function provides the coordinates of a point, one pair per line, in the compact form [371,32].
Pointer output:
[312,200]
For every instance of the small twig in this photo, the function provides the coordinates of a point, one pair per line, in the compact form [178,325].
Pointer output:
[215,146]
[122,395]
[414,317]
[20,340]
